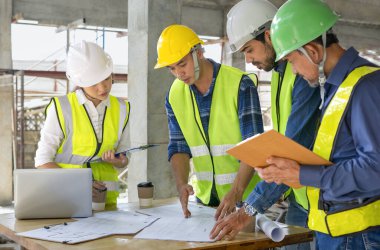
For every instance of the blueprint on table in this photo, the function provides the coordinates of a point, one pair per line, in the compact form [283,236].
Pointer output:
[100,225]
[173,226]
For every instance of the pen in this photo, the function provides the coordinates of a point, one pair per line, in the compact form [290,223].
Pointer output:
[52,225]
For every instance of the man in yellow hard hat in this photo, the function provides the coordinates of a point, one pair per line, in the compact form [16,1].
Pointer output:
[344,198]
[210,108]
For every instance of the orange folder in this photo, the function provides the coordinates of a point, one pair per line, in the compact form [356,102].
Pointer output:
[255,150]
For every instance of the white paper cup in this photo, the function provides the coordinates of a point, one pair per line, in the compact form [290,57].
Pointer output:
[98,206]
[145,193]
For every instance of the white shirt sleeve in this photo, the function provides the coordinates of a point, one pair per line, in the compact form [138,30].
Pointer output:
[51,138]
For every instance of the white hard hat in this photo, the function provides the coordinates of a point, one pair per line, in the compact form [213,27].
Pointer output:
[87,64]
[248,19]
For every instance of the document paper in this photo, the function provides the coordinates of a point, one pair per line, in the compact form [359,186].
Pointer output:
[173,226]
[100,225]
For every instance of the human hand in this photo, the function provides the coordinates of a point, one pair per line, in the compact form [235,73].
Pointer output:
[228,205]
[97,187]
[229,226]
[120,161]
[280,170]
[184,192]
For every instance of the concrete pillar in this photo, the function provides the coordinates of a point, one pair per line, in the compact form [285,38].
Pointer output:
[147,89]
[6,109]
[5,37]
[236,59]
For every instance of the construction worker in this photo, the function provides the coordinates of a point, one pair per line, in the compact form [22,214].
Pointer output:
[294,104]
[344,197]
[210,108]
[87,124]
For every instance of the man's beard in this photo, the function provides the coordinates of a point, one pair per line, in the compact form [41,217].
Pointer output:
[271,59]
[269,62]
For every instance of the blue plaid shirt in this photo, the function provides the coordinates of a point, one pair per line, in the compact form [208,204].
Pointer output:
[249,113]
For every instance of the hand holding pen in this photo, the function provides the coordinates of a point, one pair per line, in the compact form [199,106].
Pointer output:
[118,161]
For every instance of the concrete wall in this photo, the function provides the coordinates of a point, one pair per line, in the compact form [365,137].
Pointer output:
[113,13]
[5,36]
[109,13]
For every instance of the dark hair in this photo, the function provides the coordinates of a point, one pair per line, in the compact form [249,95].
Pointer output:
[261,37]
[330,38]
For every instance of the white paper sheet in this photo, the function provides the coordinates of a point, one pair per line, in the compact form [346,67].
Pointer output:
[173,226]
[181,229]
[270,228]
[101,225]
[63,234]
[175,210]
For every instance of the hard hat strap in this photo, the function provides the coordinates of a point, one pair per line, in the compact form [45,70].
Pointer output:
[196,62]
[321,65]
[322,76]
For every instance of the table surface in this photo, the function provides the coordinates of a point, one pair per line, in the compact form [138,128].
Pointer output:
[9,226]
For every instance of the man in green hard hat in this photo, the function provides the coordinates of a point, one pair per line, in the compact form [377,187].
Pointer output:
[344,198]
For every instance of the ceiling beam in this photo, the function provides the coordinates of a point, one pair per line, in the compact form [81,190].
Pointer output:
[109,13]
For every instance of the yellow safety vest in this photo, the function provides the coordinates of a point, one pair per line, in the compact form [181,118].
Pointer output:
[348,221]
[281,105]
[80,143]
[211,162]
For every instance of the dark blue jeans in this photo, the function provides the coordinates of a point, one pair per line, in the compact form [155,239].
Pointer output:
[296,216]
[366,241]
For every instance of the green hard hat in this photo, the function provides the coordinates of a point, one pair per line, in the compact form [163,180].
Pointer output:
[298,22]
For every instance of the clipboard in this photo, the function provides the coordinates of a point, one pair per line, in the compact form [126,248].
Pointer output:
[131,150]
[255,150]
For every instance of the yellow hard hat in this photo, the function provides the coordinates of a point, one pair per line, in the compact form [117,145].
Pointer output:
[175,42]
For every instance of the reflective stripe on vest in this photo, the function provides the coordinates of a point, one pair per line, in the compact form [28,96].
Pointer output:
[218,150]
[80,143]
[281,105]
[223,132]
[350,220]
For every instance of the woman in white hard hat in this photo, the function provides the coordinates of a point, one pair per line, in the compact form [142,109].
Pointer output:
[88,123]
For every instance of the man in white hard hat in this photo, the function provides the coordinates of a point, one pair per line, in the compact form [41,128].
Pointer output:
[87,124]
[294,106]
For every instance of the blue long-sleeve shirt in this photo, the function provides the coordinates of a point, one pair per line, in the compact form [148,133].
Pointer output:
[249,113]
[301,127]
[356,170]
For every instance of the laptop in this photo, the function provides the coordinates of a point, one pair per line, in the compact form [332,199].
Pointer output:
[53,193]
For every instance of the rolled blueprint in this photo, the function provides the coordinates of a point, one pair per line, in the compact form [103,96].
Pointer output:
[271,229]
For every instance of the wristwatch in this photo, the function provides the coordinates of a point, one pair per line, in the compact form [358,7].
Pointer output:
[249,210]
